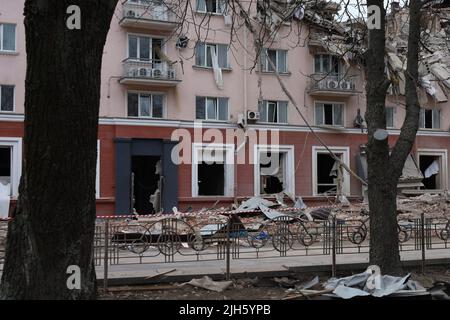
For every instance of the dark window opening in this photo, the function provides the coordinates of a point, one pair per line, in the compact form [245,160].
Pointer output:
[326,174]
[146,189]
[5,164]
[427,164]
[271,173]
[428,119]
[328,114]
[211,179]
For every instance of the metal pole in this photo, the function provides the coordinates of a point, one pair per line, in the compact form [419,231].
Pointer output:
[333,248]
[422,227]
[228,249]
[105,260]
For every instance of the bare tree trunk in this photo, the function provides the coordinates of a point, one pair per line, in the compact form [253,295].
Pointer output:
[53,224]
[385,169]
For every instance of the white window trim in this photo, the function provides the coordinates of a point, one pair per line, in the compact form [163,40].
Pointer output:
[15,38]
[345,151]
[443,153]
[267,63]
[340,67]
[217,109]
[432,119]
[97,172]
[229,167]
[215,45]
[14,97]
[16,162]
[151,93]
[289,185]
[394,109]
[163,47]
[344,114]
[216,13]
[266,105]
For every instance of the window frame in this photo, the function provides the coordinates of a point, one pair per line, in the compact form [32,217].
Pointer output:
[217,102]
[333,103]
[14,97]
[443,153]
[16,162]
[422,116]
[152,93]
[205,55]
[151,37]
[393,117]
[217,12]
[345,151]
[289,172]
[330,61]
[265,104]
[228,167]
[2,50]
[266,63]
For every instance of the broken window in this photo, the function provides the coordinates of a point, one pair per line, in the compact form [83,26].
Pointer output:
[272,172]
[278,58]
[329,114]
[211,172]
[326,64]
[203,54]
[430,119]
[145,105]
[327,173]
[5,165]
[212,6]
[390,117]
[209,108]
[6,98]
[146,185]
[273,111]
[430,166]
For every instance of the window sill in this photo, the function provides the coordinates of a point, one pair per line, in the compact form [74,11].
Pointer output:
[144,118]
[210,68]
[9,53]
[263,122]
[431,129]
[7,111]
[216,14]
[285,74]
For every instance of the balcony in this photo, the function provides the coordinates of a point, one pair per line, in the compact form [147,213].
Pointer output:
[148,15]
[332,86]
[154,73]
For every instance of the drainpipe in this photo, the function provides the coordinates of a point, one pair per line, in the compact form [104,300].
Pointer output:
[237,148]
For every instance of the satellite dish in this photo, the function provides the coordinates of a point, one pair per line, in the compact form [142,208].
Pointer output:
[381,134]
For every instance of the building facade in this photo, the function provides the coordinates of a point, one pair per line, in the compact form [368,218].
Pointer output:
[188,113]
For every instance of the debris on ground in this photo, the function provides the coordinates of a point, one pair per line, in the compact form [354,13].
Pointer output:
[209,284]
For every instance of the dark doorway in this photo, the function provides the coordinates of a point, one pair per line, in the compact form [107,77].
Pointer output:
[5,165]
[325,181]
[431,182]
[211,179]
[145,184]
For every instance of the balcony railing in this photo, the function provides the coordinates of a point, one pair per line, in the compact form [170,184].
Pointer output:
[149,15]
[155,72]
[329,85]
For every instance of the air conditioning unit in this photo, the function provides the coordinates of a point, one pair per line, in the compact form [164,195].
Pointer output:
[143,72]
[157,73]
[332,84]
[346,85]
[253,115]
[131,14]
[133,72]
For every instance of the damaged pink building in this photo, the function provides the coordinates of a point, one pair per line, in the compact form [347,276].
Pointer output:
[166,79]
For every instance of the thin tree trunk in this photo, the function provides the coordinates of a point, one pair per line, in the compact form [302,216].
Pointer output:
[385,169]
[53,224]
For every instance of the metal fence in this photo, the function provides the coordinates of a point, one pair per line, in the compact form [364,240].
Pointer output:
[185,240]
